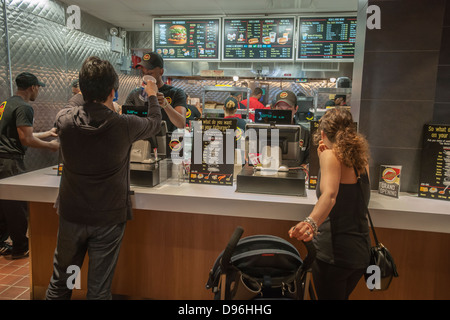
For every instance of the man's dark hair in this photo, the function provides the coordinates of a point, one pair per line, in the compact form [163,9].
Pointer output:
[97,79]
[257,91]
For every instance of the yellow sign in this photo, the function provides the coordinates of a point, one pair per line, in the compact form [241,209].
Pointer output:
[2,108]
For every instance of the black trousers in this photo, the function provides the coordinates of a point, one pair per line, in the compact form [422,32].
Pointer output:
[334,283]
[13,214]
[102,244]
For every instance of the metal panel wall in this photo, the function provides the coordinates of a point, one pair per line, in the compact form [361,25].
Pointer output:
[37,46]
[4,73]
[41,44]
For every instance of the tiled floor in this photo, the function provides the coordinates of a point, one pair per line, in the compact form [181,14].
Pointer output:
[14,279]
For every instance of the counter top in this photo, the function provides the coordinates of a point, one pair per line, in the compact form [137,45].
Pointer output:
[408,212]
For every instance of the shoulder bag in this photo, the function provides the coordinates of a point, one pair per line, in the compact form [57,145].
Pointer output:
[379,254]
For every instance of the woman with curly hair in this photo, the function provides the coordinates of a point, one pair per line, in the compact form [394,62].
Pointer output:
[338,224]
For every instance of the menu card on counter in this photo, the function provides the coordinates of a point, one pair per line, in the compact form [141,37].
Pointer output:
[435,163]
[327,38]
[258,38]
[212,158]
[389,182]
[184,39]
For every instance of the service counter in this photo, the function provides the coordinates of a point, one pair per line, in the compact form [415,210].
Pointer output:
[179,229]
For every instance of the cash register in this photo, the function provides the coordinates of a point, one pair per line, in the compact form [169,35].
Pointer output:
[272,147]
[149,164]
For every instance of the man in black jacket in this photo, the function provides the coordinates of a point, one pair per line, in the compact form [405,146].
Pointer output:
[94,195]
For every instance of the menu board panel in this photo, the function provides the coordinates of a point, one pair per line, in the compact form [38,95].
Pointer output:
[326,38]
[184,39]
[258,38]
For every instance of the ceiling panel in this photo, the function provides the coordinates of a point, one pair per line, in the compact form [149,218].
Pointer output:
[138,14]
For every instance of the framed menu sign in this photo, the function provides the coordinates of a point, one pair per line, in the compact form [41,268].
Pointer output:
[435,163]
[212,157]
[185,39]
[326,38]
[258,38]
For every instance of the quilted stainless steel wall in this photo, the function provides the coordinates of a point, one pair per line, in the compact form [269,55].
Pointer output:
[4,71]
[41,44]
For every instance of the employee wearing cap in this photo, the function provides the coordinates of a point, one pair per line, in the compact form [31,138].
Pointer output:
[171,99]
[287,100]
[230,106]
[16,134]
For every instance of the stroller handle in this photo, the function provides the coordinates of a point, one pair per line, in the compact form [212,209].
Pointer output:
[311,256]
[228,252]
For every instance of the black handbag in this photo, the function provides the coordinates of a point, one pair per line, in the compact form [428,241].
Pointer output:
[379,255]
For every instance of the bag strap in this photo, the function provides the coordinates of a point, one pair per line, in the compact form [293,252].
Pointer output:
[358,177]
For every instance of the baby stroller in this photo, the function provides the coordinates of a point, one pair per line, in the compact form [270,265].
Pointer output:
[261,267]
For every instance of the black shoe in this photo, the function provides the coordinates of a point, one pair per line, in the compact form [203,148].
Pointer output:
[21,252]
[5,249]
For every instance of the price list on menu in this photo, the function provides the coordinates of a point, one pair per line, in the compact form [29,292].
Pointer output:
[186,39]
[435,162]
[259,38]
[327,38]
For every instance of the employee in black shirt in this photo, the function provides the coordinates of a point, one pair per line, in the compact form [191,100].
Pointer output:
[77,98]
[171,99]
[287,100]
[16,134]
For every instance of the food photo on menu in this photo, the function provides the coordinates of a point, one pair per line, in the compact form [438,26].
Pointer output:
[177,34]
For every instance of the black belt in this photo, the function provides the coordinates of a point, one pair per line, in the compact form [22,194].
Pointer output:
[13,156]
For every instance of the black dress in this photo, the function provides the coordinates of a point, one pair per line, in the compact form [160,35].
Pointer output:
[344,238]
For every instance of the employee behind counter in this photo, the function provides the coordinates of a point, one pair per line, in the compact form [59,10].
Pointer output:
[287,100]
[172,100]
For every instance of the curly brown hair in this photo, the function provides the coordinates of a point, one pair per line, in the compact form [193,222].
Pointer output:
[350,147]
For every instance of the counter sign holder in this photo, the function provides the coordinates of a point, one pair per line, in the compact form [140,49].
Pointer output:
[389,182]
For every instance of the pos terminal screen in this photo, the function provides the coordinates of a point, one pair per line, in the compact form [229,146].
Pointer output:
[273,116]
[140,111]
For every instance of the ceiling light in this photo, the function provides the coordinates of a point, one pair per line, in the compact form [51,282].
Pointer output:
[114,32]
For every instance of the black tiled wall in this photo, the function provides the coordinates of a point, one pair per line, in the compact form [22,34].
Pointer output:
[402,76]
[442,101]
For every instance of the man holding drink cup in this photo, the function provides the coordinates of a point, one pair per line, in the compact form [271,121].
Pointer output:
[172,100]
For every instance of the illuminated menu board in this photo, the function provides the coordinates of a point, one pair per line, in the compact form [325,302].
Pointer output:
[184,39]
[258,38]
[327,38]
